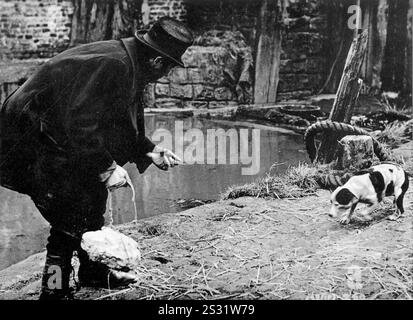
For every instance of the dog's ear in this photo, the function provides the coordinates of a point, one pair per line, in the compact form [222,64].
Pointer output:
[344,196]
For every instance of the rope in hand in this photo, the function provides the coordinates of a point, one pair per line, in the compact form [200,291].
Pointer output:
[110,218]
[129,182]
[110,203]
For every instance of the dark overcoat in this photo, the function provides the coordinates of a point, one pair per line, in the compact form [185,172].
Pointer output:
[66,124]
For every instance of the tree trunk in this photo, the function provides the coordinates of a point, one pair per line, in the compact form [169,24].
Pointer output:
[369,10]
[380,19]
[95,20]
[127,18]
[409,58]
[393,72]
[268,52]
[338,41]
[347,95]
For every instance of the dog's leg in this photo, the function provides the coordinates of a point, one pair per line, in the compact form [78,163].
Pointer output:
[398,199]
[399,196]
[345,219]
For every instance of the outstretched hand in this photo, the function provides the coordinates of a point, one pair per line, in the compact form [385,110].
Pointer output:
[163,158]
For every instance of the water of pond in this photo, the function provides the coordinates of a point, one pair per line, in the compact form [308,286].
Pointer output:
[23,231]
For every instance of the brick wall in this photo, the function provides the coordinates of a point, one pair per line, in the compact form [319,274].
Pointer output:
[303,61]
[41,28]
[34,28]
[238,15]
[160,8]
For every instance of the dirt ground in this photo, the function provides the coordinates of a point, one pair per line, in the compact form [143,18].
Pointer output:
[252,248]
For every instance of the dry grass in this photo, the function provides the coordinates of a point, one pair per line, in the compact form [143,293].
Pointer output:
[262,255]
[379,281]
[394,134]
[297,182]
[158,284]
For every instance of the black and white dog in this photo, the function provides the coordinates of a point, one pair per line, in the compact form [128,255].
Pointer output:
[370,187]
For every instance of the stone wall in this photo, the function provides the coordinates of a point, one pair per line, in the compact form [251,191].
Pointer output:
[34,28]
[303,62]
[159,8]
[240,15]
[200,85]
[41,28]
[302,68]
[302,65]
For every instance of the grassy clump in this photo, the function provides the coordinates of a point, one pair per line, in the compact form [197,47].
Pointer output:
[394,134]
[300,181]
[297,182]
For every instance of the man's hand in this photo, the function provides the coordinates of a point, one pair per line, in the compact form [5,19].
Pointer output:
[119,178]
[163,158]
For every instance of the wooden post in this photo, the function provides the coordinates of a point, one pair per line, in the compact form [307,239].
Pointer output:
[394,60]
[339,38]
[409,56]
[347,95]
[369,15]
[348,88]
[95,20]
[267,60]
[379,41]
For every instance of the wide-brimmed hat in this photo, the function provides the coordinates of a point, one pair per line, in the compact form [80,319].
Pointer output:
[169,37]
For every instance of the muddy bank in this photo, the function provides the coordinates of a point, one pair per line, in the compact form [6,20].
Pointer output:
[256,248]
[253,248]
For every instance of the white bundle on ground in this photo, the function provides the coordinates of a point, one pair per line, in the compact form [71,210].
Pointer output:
[111,248]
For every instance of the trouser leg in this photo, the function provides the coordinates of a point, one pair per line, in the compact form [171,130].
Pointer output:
[71,200]
[58,267]
[92,274]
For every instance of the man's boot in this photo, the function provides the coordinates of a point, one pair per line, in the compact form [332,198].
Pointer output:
[95,274]
[58,267]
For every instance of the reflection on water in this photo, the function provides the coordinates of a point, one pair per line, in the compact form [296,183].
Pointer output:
[23,231]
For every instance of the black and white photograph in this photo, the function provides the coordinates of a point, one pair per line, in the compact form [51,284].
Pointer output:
[217,151]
